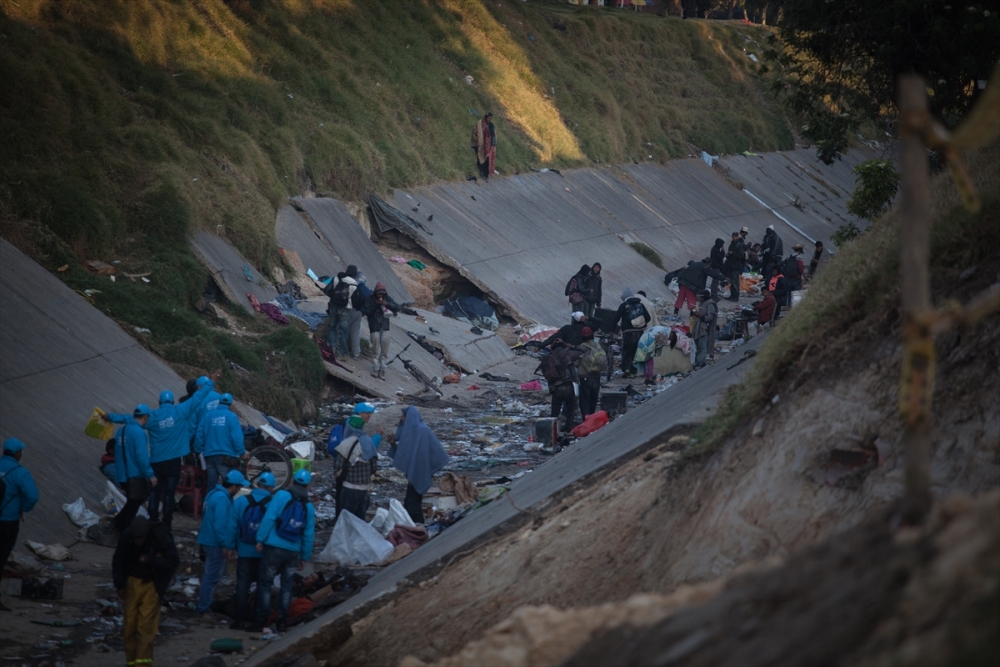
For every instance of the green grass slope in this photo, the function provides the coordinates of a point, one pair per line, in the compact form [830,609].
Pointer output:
[127,123]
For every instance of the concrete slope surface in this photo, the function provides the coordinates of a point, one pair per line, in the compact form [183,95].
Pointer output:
[519,239]
[59,358]
[616,441]
[229,269]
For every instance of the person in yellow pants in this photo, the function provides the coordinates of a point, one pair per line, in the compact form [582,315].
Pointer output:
[143,566]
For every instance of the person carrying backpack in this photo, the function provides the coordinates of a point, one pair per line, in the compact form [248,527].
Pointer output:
[216,535]
[340,311]
[593,364]
[285,542]
[379,308]
[355,460]
[633,317]
[794,268]
[18,495]
[577,289]
[561,372]
[244,522]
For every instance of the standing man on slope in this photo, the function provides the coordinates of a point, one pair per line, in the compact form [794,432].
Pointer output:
[245,519]
[340,310]
[482,145]
[19,496]
[216,535]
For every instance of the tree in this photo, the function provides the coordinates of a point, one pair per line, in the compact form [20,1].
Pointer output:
[840,59]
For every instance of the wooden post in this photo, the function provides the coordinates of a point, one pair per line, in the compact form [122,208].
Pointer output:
[917,382]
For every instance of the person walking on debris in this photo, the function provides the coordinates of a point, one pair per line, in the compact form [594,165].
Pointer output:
[355,460]
[633,317]
[717,258]
[18,496]
[594,285]
[379,307]
[814,262]
[244,522]
[560,371]
[340,290]
[135,475]
[577,289]
[220,440]
[142,568]
[765,307]
[771,249]
[794,269]
[571,333]
[285,540]
[416,452]
[736,257]
[692,280]
[482,144]
[703,321]
[593,365]
[216,535]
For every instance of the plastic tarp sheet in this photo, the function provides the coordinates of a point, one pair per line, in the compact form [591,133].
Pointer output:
[388,217]
[472,310]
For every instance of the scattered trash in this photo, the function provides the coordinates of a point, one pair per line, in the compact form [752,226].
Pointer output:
[304,449]
[34,588]
[79,514]
[63,268]
[473,387]
[58,623]
[96,428]
[592,423]
[451,378]
[417,264]
[100,268]
[534,385]
[226,645]
[142,330]
[55,552]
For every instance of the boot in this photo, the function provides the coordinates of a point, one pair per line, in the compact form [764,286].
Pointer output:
[381,374]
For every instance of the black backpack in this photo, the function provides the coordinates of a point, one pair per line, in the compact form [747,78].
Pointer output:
[341,294]
[791,268]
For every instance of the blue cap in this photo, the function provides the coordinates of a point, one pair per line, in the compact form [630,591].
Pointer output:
[166,397]
[13,445]
[236,477]
[265,479]
[142,410]
[302,477]
[362,408]
[226,399]
[202,381]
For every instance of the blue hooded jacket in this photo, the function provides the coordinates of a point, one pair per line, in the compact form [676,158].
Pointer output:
[267,533]
[216,523]
[417,451]
[209,403]
[170,427]
[21,494]
[133,461]
[240,505]
[220,434]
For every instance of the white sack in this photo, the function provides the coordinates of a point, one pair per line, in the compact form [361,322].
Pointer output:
[354,542]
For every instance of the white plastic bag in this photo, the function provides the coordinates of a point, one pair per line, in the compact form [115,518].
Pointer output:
[79,514]
[378,521]
[50,551]
[114,501]
[304,449]
[354,542]
[674,287]
[398,515]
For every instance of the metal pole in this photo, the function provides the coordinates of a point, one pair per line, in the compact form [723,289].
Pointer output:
[917,382]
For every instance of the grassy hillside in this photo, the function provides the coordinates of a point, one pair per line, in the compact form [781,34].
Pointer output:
[126,123]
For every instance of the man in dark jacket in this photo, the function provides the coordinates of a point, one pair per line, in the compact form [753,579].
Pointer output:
[142,567]
[379,308]
[577,289]
[633,318]
[594,282]
[718,262]
[771,249]
[340,312]
[692,280]
[571,334]
[564,391]
[735,258]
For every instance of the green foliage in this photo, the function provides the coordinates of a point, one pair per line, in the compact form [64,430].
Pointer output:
[648,253]
[876,184]
[845,234]
[839,60]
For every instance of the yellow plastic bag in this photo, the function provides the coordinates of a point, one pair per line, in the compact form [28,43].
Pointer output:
[98,429]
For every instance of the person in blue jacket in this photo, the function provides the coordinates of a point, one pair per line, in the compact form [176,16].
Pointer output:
[170,428]
[248,512]
[220,439]
[207,404]
[132,461]
[216,535]
[20,497]
[285,540]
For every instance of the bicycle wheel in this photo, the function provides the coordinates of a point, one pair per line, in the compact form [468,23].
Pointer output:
[272,460]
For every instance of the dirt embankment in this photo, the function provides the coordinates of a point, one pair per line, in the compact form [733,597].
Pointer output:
[660,521]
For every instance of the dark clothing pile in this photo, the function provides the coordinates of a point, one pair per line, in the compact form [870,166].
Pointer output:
[696,275]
